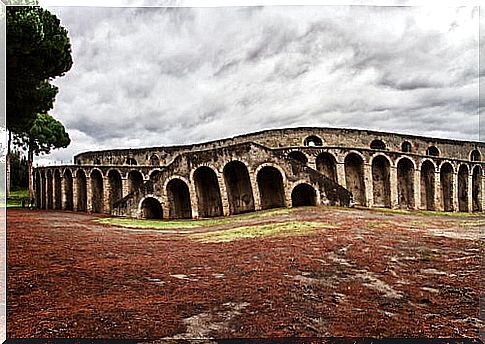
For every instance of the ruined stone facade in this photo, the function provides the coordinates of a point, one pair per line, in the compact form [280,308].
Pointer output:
[269,169]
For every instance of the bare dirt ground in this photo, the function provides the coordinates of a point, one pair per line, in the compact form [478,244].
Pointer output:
[364,273]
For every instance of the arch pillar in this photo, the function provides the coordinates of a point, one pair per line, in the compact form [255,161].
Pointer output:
[224,196]
[341,174]
[63,192]
[455,191]
[393,187]
[125,186]
[482,185]
[256,195]
[470,191]
[89,194]
[369,190]
[75,192]
[106,193]
[417,188]
[193,200]
[312,163]
[438,206]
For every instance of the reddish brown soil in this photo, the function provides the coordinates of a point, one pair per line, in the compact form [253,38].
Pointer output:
[377,274]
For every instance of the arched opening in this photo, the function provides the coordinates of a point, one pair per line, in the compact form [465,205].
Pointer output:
[135,181]
[208,192]
[238,186]
[179,199]
[43,190]
[115,188]
[131,161]
[377,144]
[381,186]
[38,190]
[82,200]
[327,165]
[427,185]
[68,205]
[354,177]
[475,155]
[405,183]
[154,160]
[312,141]
[477,188]
[50,191]
[432,151]
[271,190]
[463,188]
[96,191]
[297,155]
[303,195]
[406,147]
[57,190]
[446,181]
[151,209]
[154,175]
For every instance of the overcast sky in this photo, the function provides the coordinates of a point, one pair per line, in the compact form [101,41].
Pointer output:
[162,76]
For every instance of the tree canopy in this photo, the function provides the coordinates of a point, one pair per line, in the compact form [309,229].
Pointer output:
[45,134]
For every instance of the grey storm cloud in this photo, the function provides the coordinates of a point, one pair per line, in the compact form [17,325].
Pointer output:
[164,76]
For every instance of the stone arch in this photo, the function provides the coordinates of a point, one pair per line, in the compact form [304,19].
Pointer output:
[354,177]
[82,192]
[303,194]
[427,185]
[38,190]
[463,188]
[68,187]
[405,183]
[377,144]
[238,186]
[50,190]
[97,191]
[446,182]
[327,165]
[475,155]
[208,192]
[312,141]
[432,151]
[115,187]
[406,147]
[57,190]
[271,189]
[178,195]
[151,208]
[381,185]
[154,175]
[135,180]
[477,188]
[297,155]
[154,160]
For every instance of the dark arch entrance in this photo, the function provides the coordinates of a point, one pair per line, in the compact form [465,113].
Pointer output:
[82,200]
[57,190]
[327,165]
[208,192]
[38,190]
[271,190]
[68,190]
[427,185]
[477,188]
[303,195]
[50,191]
[301,157]
[43,189]
[151,209]
[463,188]
[96,191]
[135,181]
[239,190]
[115,188]
[446,181]
[381,186]
[354,177]
[405,183]
[178,199]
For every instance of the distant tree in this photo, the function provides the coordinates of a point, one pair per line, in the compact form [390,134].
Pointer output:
[45,134]
[37,50]
[20,175]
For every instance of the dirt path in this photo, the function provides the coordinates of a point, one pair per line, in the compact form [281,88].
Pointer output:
[363,273]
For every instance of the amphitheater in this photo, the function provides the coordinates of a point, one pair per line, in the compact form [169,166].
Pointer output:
[270,169]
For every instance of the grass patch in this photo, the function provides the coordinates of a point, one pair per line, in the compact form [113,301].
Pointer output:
[15,198]
[274,229]
[169,224]
[473,223]
[423,212]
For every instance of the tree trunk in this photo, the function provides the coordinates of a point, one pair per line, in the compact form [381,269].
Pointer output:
[30,163]
[7,163]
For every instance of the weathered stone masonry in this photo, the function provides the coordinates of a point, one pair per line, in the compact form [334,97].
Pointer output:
[269,169]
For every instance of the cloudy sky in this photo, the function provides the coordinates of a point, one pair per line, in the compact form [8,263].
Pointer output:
[162,76]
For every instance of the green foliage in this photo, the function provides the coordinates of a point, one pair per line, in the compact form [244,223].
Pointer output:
[45,134]
[19,177]
[37,50]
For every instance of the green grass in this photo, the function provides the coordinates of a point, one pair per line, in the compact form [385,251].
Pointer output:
[168,224]
[15,198]
[473,223]
[282,229]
